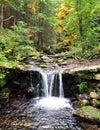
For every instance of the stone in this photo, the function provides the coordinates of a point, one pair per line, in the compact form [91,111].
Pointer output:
[60,61]
[45,57]
[77,104]
[98,85]
[43,66]
[94,95]
[97,76]
[95,103]
[85,102]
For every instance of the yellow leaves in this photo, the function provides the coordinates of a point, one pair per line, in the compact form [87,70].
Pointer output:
[61,15]
[73,36]
[33,7]
[63,7]
[31,48]
[62,23]
[60,30]
[63,11]
[6,0]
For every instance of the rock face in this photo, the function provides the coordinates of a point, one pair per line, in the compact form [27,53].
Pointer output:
[23,83]
[73,73]
[86,72]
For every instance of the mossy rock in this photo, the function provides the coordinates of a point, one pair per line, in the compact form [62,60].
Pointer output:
[95,103]
[4,94]
[89,112]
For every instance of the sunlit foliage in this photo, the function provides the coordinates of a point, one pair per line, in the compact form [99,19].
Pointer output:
[64,36]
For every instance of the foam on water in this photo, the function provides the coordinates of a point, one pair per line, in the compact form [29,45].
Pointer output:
[53,103]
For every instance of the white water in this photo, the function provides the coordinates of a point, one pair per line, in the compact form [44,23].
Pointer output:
[45,84]
[51,83]
[53,103]
[53,94]
[61,92]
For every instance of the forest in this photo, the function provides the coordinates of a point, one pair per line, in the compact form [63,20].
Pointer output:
[50,64]
[29,28]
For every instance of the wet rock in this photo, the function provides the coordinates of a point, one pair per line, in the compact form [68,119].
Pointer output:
[30,93]
[82,97]
[94,95]
[43,65]
[77,104]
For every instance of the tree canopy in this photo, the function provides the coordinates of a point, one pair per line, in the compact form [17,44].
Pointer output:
[72,26]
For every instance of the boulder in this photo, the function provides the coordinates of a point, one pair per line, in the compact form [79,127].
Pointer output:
[95,103]
[97,76]
[94,95]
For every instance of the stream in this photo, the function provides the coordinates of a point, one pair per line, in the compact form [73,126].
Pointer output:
[52,113]
[49,110]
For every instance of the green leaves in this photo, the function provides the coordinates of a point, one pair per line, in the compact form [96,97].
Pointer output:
[82,87]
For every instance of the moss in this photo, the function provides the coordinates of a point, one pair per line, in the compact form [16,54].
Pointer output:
[89,112]
[4,94]
[95,103]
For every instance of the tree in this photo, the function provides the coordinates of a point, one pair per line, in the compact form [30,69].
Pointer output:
[83,22]
[43,22]
[65,37]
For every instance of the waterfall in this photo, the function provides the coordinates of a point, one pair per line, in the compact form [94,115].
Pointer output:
[61,92]
[45,84]
[52,84]
[52,92]
[32,88]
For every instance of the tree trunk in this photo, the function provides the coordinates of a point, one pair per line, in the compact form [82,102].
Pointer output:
[2,16]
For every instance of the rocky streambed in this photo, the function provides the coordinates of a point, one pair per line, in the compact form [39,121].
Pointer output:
[15,110]
[22,114]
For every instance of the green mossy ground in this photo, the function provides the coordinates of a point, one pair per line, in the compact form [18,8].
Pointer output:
[89,112]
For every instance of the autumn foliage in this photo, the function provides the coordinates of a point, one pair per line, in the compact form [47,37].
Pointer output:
[64,37]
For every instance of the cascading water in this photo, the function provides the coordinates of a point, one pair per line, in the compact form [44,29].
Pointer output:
[52,92]
[51,111]
[61,86]
[51,82]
